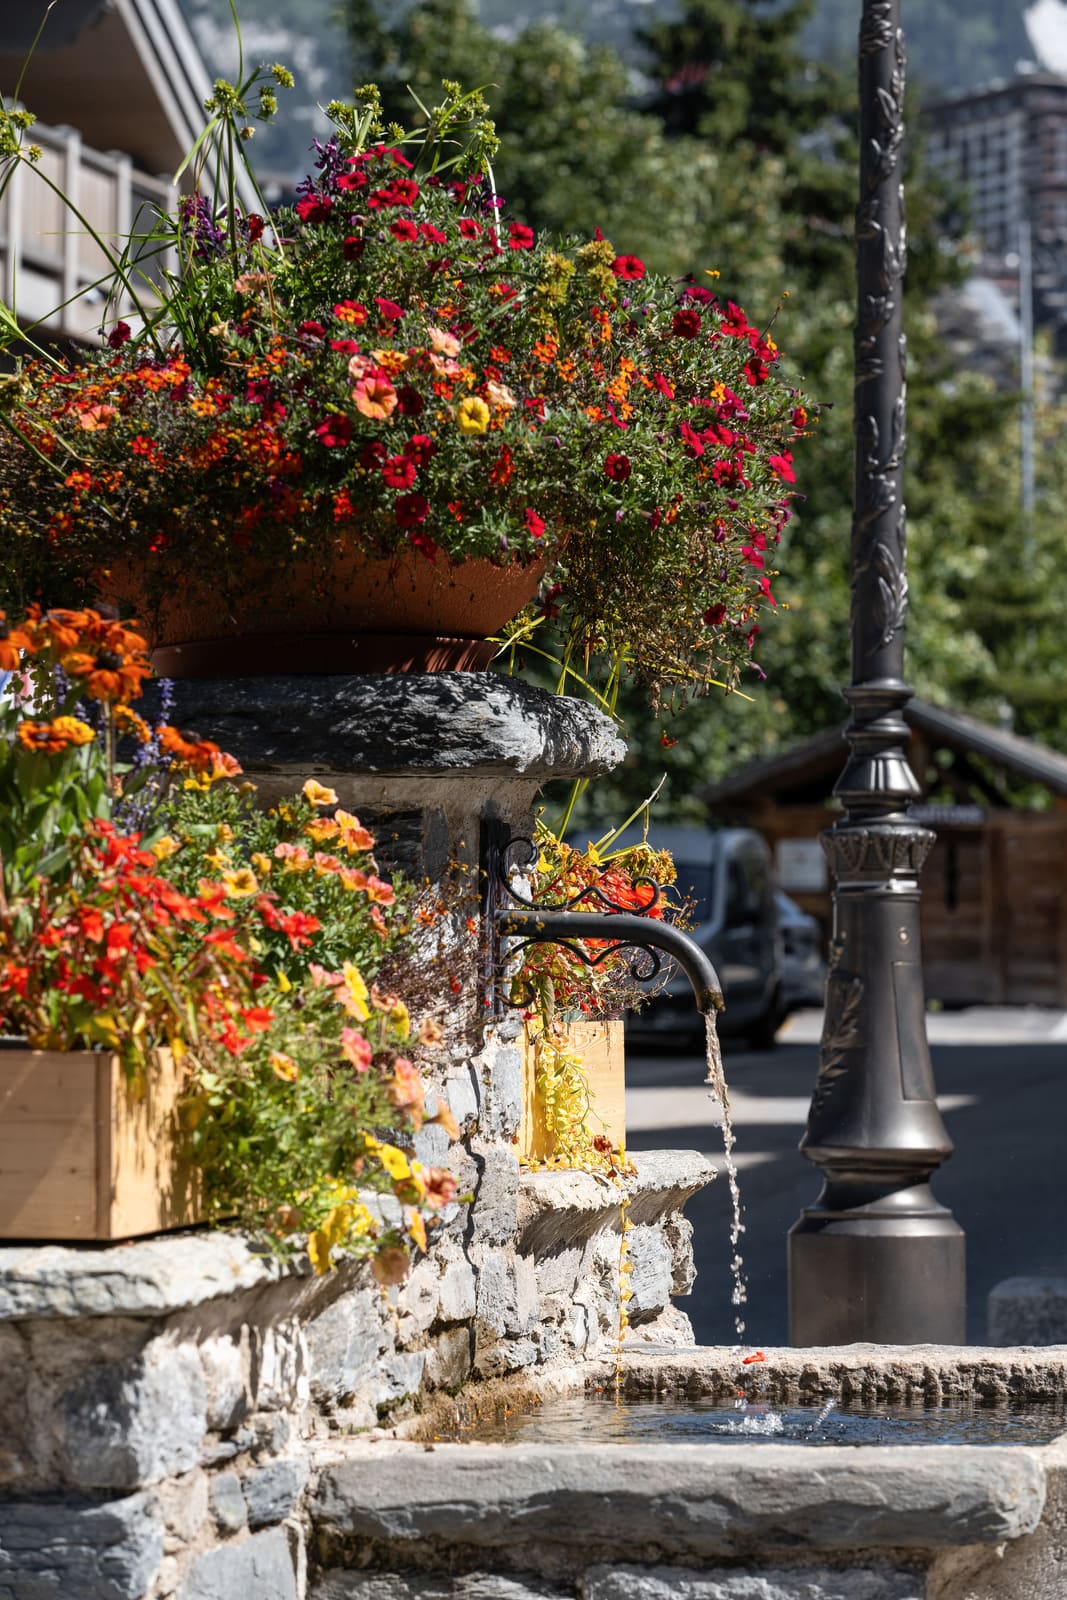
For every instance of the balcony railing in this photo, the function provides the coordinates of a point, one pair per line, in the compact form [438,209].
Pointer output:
[49,260]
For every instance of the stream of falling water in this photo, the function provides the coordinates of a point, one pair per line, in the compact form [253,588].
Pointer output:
[716,1078]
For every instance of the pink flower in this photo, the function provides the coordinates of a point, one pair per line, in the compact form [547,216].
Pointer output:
[356,1048]
[375,397]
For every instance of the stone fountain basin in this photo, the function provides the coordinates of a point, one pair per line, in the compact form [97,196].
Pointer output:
[410,1519]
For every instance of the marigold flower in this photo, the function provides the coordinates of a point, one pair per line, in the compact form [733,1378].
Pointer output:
[352,312]
[50,738]
[472,415]
[375,397]
[317,794]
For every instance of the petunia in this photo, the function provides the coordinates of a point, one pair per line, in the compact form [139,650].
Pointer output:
[335,431]
[535,525]
[686,323]
[389,309]
[317,794]
[411,509]
[375,397]
[628,267]
[520,237]
[399,472]
[404,229]
[472,415]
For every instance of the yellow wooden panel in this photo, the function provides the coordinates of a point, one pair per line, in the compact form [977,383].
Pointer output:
[82,1158]
[600,1046]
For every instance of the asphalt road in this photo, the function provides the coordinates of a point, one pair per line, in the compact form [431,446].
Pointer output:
[1002,1083]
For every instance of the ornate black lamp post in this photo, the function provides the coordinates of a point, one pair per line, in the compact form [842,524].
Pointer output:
[876,1258]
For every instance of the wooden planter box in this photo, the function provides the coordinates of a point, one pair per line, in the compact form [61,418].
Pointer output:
[81,1157]
[600,1045]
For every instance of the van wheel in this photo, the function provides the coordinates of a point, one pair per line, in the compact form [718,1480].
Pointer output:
[763,1036]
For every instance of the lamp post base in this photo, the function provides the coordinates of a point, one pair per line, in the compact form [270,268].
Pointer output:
[877,1280]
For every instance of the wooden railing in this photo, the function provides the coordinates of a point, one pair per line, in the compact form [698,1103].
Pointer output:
[50,263]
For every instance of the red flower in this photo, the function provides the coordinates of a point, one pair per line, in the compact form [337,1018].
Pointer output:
[799,418]
[372,454]
[335,430]
[425,546]
[534,524]
[662,385]
[630,267]
[118,335]
[399,472]
[666,741]
[409,401]
[431,234]
[353,180]
[353,247]
[714,615]
[735,323]
[421,448]
[520,237]
[344,347]
[350,311]
[255,225]
[782,467]
[411,509]
[756,372]
[692,441]
[617,468]
[403,228]
[389,310]
[686,323]
[312,330]
[405,191]
[469,228]
[314,208]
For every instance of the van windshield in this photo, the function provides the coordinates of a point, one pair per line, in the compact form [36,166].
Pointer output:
[696,887]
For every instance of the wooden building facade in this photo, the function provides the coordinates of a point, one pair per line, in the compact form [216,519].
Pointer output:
[994,905]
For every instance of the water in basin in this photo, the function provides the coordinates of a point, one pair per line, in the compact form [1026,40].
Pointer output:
[600,1419]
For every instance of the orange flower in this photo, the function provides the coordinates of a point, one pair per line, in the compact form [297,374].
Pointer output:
[354,836]
[284,1066]
[406,1091]
[93,418]
[53,737]
[441,1187]
[356,1048]
[109,673]
[375,397]
[13,641]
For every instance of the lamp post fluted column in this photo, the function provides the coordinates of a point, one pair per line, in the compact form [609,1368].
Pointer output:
[877,1258]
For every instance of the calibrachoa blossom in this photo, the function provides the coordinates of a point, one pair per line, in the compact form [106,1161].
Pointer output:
[397,363]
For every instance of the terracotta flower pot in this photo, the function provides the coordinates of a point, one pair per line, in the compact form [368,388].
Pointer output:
[355,613]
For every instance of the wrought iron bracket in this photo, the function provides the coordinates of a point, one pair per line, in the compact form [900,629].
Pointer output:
[516,921]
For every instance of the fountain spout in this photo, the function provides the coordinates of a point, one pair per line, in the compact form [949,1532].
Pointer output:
[620,930]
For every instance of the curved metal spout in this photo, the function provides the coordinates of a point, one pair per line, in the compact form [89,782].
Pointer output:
[623,928]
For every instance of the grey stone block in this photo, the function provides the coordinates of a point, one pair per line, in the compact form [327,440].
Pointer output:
[457,1291]
[444,723]
[614,1501]
[78,1551]
[1028,1311]
[797,1583]
[502,1111]
[271,1492]
[227,1502]
[432,1144]
[652,1276]
[135,1280]
[419,1299]
[495,1212]
[257,1568]
[133,1423]
[448,1360]
[343,1345]
[397,1376]
[461,1096]
[404,1586]
[227,1366]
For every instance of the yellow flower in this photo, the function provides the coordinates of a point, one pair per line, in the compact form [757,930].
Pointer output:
[353,993]
[398,1016]
[217,860]
[224,833]
[165,847]
[316,794]
[284,1066]
[262,863]
[472,415]
[393,1160]
[241,883]
[417,1229]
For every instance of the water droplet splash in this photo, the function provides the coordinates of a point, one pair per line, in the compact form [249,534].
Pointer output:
[716,1078]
